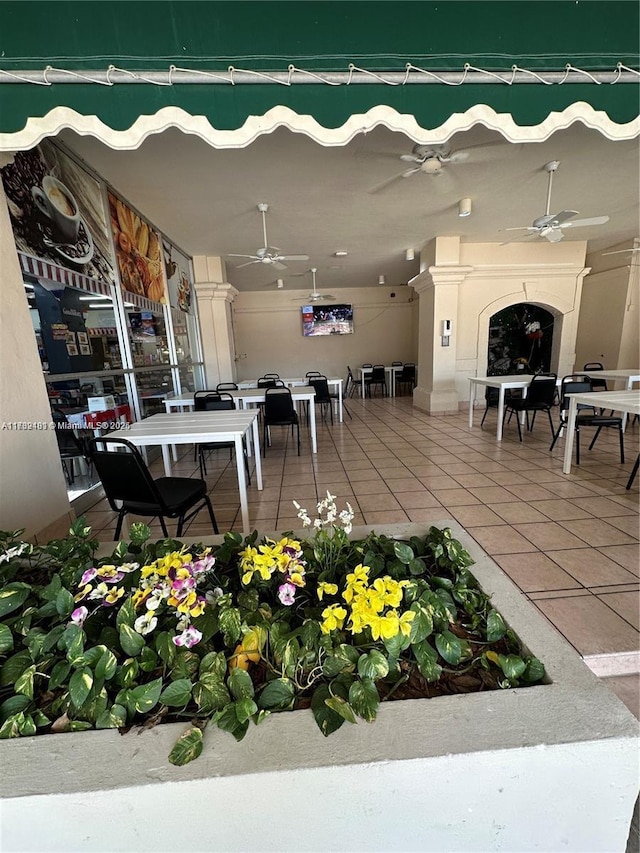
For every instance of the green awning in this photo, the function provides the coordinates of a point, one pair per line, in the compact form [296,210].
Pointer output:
[324,37]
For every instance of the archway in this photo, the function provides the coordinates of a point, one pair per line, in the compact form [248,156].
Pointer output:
[520,338]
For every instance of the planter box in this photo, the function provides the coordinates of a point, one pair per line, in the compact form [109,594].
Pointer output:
[550,767]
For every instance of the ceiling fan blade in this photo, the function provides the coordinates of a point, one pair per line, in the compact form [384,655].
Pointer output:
[410,172]
[623,251]
[563,216]
[411,158]
[232,255]
[519,228]
[385,184]
[517,239]
[553,235]
[294,257]
[248,264]
[594,220]
[278,265]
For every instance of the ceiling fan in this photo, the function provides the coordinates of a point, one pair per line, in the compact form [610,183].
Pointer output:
[431,160]
[268,254]
[314,296]
[551,224]
[623,251]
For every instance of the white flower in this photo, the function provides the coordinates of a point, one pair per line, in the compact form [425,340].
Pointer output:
[146,623]
[14,552]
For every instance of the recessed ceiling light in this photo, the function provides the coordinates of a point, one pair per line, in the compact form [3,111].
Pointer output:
[381,279]
[464,207]
[341,254]
[410,255]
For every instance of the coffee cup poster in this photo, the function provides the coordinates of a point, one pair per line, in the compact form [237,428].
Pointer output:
[138,252]
[57,212]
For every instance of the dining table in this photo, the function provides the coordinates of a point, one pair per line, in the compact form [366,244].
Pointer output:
[625,376]
[503,384]
[168,430]
[391,371]
[627,402]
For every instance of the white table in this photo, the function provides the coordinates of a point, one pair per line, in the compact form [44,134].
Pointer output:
[626,376]
[391,371]
[302,393]
[200,428]
[502,383]
[620,401]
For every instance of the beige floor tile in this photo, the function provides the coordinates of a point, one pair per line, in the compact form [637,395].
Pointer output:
[591,567]
[627,523]
[438,482]
[589,625]
[492,494]
[558,593]
[559,510]
[535,572]
[374,503]
[388,516]
[627,689]
[370,487]
[627,556]
[596,532]
[363,474]
[475,516]
[501,539]
[625,604]
[548,536]
[517,512]
[474,480]
[455,497]
[533,492]
[568,489]
[601,507]
[427,515]
[404,484]
[417,500]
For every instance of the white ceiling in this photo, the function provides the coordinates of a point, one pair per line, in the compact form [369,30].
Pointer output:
[322,200]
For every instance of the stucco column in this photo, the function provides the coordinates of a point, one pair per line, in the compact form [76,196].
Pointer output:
[215,297]
[438,288]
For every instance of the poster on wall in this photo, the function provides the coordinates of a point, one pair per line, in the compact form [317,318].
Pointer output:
[138,252]
[178,277]
[57,212]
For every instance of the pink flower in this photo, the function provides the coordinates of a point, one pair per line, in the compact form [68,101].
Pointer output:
[79,615]
[203,565]
[189,637]
[287,594]
[88,576]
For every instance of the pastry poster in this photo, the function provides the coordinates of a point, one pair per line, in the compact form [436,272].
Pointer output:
[138,252]
[57,212]
[178,273]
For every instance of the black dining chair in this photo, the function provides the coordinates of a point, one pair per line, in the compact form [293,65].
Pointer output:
[406,379]
[130,488]
[586,415]
[377,378]
[323,397]
[209,401]
[540,395]
[278,411]
[226,386]
[350,385]
[70,446]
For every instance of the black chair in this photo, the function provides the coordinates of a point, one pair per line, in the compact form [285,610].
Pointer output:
[270,382]
[406,379]
[377,377]
[278,411]
[491,398]
[70,447]
[596,382]
[322,398]
[311,373]
[271,376]
[586,415]
[396,364]
[130,488]
[634,471]
[540,394]
[226,386]
[351,384]
[213,401]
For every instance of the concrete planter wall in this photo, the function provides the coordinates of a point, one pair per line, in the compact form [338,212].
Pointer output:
[551,767]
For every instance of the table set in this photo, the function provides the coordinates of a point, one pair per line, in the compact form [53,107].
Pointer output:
[627,402]
[391,371]
[502,383]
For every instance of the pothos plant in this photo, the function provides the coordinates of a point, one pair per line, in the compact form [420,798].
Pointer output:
[229,634]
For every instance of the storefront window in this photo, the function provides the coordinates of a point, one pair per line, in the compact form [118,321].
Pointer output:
[154,386]
[148,336]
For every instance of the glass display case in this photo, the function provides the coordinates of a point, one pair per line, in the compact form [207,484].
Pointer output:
[148,337]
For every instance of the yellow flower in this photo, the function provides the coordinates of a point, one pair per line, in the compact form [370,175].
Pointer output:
[140,596]
[405,622]
[328,588]
[385,627]
[297,578]
[334,617]
[114,594]
[198,608]
[360,575]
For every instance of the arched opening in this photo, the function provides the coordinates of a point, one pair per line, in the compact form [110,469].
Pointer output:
[520,339]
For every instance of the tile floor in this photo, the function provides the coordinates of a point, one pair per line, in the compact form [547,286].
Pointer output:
[569,542]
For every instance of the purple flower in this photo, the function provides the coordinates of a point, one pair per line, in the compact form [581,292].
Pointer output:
[189,637]
[79,615]
[203,565]
[287,594]
[88,576]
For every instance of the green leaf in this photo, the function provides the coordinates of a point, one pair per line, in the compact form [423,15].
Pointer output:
[403,552]
[165,647]
[512,665]
[187,747]
[13,667]
[364,699]
[113,718]
[128,672]
[341,707]
[534,670]
[240,684]
[64,603]
[126,615]
[496,627]
[73,639]
[148,659]
[373,666]
[230,622]
[11,726]
[277,695]
[422,625]
[6,639]
[27,727]
[214,663]
[450,647]
[343,659]
[132,643]
[177,694]
[245,709]
[427,659]
[80,685]
[24,684]
[139,532]
[309,633]
[185,664]
[13,705]
[328,720]
[12,596]
[210,694]
[146,696]
[417,567]
[208,624]
[106,665]
[59,674]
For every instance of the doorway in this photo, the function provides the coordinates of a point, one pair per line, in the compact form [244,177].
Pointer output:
[520,339]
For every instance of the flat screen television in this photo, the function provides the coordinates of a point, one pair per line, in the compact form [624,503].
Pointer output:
[327,320]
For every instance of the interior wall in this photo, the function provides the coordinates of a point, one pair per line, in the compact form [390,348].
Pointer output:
[33,493]
[268,332]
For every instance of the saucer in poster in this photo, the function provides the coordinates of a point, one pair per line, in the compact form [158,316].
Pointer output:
[79,252]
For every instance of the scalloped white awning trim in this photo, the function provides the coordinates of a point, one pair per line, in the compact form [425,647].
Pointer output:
[62,118]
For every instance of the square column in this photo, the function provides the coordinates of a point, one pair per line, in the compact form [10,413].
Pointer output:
[215,298]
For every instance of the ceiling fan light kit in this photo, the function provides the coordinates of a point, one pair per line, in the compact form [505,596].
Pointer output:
[410,254]
[464,207]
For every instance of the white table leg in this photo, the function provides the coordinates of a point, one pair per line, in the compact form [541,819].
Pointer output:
[362,384]
[392,382]
[256,451]
[472,400]
[571,429]
[242,486]
[340,400]
[312,426]
[500,413]
[166,459]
